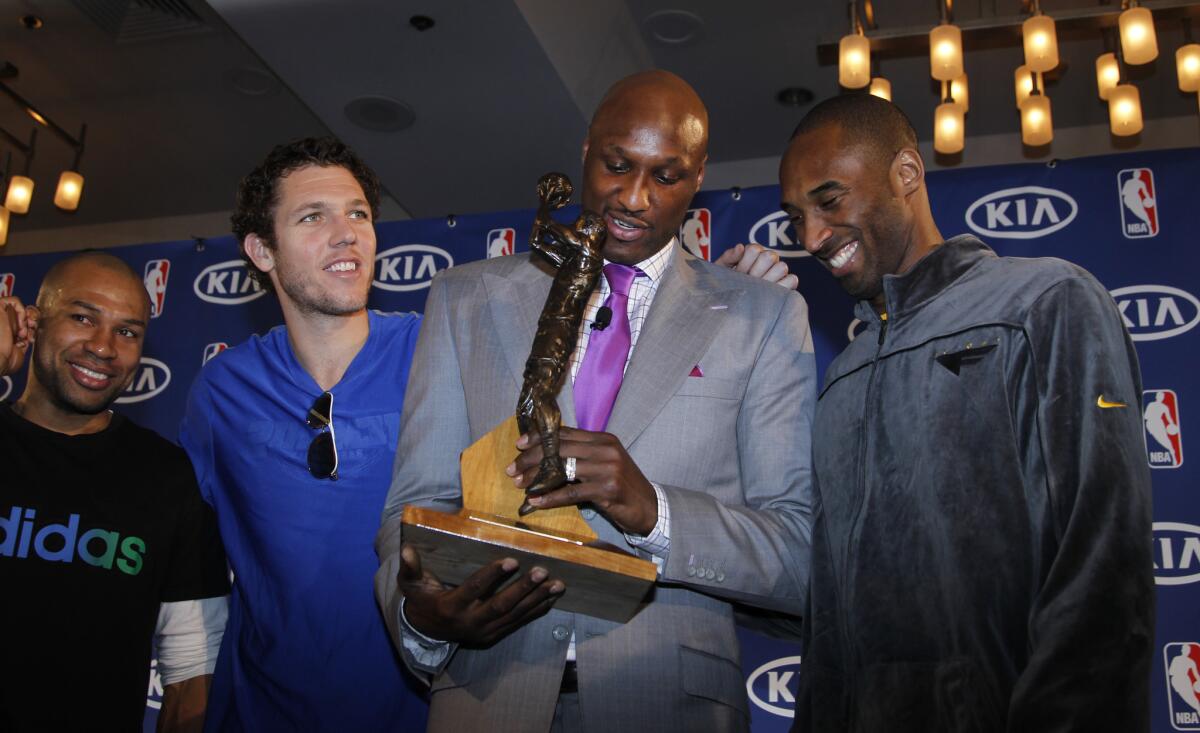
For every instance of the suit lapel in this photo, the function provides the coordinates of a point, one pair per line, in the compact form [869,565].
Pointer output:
[516,301]
[683,320]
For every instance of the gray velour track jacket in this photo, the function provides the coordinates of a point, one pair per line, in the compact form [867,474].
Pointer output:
[982,531]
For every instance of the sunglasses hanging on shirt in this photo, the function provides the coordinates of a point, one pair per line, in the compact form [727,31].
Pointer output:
[322,451]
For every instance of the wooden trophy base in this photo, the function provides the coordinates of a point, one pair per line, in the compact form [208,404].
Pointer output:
[601,580]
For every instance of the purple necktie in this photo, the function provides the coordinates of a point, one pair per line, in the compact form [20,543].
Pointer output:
[603,367]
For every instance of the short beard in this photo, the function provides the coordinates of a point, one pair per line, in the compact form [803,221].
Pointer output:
[318,303]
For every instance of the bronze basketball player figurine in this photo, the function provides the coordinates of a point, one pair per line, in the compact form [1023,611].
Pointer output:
[575,251]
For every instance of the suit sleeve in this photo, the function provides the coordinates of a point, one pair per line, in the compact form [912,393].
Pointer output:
[433,426]
[758,553]
[1091,628]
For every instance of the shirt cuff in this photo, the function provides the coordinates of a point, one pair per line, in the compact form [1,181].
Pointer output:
[429,654]
[658,542]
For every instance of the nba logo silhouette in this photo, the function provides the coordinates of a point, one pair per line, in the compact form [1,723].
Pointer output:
[1139,205]
[696,233]
[501,242]
[1183,684]
[212,350]
[156,285]
[1164,441]
[7,281]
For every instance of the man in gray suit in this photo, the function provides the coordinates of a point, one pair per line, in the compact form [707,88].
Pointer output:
[703,465]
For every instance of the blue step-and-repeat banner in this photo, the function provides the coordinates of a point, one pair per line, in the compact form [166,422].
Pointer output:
[1131,219]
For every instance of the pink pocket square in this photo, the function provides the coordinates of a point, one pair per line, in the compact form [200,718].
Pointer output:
[696,372]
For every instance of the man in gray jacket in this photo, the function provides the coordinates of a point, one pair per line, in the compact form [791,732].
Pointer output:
[981,538]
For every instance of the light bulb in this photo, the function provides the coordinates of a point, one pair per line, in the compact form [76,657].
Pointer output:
[945,52]
[69,191]
[1107,73]
[1187,67]
[1138,42]
[881,88]
[948,128]
[1041,43]
[960,93]
[1022,83]
[854,61]
[1124,110]
[20,193]
[1037,125]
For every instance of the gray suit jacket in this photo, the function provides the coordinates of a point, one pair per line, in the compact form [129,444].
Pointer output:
[730,449]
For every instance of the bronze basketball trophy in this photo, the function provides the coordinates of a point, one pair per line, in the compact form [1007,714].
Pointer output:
[495,520]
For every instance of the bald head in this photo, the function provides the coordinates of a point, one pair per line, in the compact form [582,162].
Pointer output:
[81,266]
[658,96]
[643,160]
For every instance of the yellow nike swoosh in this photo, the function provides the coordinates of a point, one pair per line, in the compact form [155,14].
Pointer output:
[1105,404]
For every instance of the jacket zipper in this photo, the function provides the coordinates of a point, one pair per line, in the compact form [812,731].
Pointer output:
[851,650]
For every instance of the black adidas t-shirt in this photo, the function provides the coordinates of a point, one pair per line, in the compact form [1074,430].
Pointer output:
[95,532]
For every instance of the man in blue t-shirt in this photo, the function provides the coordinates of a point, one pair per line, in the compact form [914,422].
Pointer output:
[293,435]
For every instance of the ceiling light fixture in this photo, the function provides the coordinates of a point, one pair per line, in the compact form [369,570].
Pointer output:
[1139,45]
[1040,40]
[1023,80]
[945,47]
[881,88]
[854,55]
[1187,61]
[1036,124]
[1107,74]
[960,93]
[20,188]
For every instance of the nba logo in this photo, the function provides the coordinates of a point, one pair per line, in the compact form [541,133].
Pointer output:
[1139,207]
[1183,684]
[212,350]
[7,281]
[156,285]
[696,233]
[1164,442]
[501,242]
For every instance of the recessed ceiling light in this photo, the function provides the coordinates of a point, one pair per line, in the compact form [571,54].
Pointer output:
[421,22]
[794,97]
[32,22]
[251,81]
[673,27]
[380,114]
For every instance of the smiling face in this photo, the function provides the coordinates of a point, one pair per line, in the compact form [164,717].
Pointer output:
[90,326]
[643,162]
[323,257]
[849,206]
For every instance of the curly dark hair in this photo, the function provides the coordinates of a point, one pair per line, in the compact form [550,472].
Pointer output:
[258,192]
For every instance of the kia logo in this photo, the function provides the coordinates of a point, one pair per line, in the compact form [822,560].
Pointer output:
[410,266]
[775,231]
[1154,312]
[5,388]
[775,680]
[1176,553]
[227,283]
[151,379]
[1027,212]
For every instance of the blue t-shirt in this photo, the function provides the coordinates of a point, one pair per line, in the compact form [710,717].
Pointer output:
[306,647]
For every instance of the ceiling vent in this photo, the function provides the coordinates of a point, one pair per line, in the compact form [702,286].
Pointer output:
[134,21]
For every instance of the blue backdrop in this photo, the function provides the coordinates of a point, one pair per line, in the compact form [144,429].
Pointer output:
[1130,219]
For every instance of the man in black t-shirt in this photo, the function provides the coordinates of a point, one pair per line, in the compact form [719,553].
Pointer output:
[105,543]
